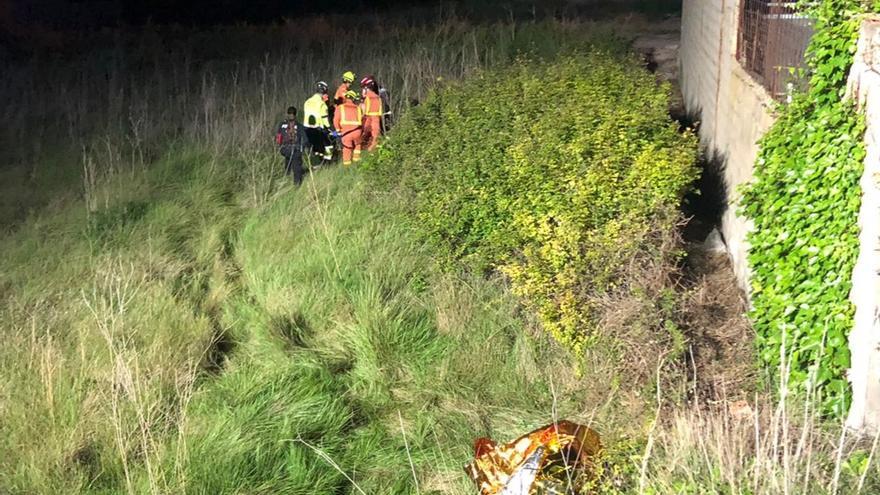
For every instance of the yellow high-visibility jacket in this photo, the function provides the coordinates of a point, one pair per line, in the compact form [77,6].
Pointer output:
[316,113]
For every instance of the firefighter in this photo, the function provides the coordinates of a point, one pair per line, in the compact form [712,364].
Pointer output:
[372,112]
[347,80]
[316,121]
[339,96]
[291,141]
[349,122]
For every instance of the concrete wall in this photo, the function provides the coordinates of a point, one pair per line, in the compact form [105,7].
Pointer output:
[864,340]
[733,110]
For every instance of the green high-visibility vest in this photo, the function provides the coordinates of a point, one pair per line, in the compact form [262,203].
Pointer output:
[315,112]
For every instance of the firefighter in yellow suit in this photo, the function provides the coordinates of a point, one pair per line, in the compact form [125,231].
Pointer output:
[316,121]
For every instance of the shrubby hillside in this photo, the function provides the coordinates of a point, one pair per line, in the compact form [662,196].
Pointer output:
[559,175]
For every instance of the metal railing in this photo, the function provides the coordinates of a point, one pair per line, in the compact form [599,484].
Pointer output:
[772,39]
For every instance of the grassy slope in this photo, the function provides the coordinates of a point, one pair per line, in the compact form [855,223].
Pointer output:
[443,359]
[223,89]
[205,345]
[105,320]
[332,319]
[117,321]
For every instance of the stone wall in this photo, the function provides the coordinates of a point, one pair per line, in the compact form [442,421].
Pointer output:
[864,340]
[733,110]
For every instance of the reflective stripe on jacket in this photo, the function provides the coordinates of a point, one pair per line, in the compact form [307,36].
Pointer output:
[348,116]
[315,112]
[372,104]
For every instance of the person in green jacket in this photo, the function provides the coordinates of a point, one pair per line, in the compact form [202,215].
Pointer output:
[316,121]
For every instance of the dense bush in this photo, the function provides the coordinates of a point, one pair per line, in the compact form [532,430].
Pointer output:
[804,203]
[552,172]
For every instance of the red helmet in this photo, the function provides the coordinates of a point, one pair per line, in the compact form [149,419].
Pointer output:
[367,81]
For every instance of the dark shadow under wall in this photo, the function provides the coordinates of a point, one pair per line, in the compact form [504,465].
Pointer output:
[721,353]
[720,357]
[707,203]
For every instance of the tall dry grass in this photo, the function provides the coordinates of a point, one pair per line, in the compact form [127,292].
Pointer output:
[118,100]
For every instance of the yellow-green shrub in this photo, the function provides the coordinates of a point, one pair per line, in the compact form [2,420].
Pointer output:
[554,173]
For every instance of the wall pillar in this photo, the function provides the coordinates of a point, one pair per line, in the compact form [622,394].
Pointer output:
[864,340]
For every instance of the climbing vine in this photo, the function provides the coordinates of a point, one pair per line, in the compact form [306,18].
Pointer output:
[804,203]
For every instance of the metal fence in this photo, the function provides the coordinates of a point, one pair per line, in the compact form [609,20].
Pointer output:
[772,39]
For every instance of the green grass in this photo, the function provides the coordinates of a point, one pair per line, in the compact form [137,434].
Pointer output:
[106,316]
[178,274]
[342,292]
[120,99]
[193,345]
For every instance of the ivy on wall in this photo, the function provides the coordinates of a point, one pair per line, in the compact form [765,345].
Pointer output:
[804,203]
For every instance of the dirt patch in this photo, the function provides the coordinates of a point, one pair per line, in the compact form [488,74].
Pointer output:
[659,52]
[723,364]
[721,352]
[722,361]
